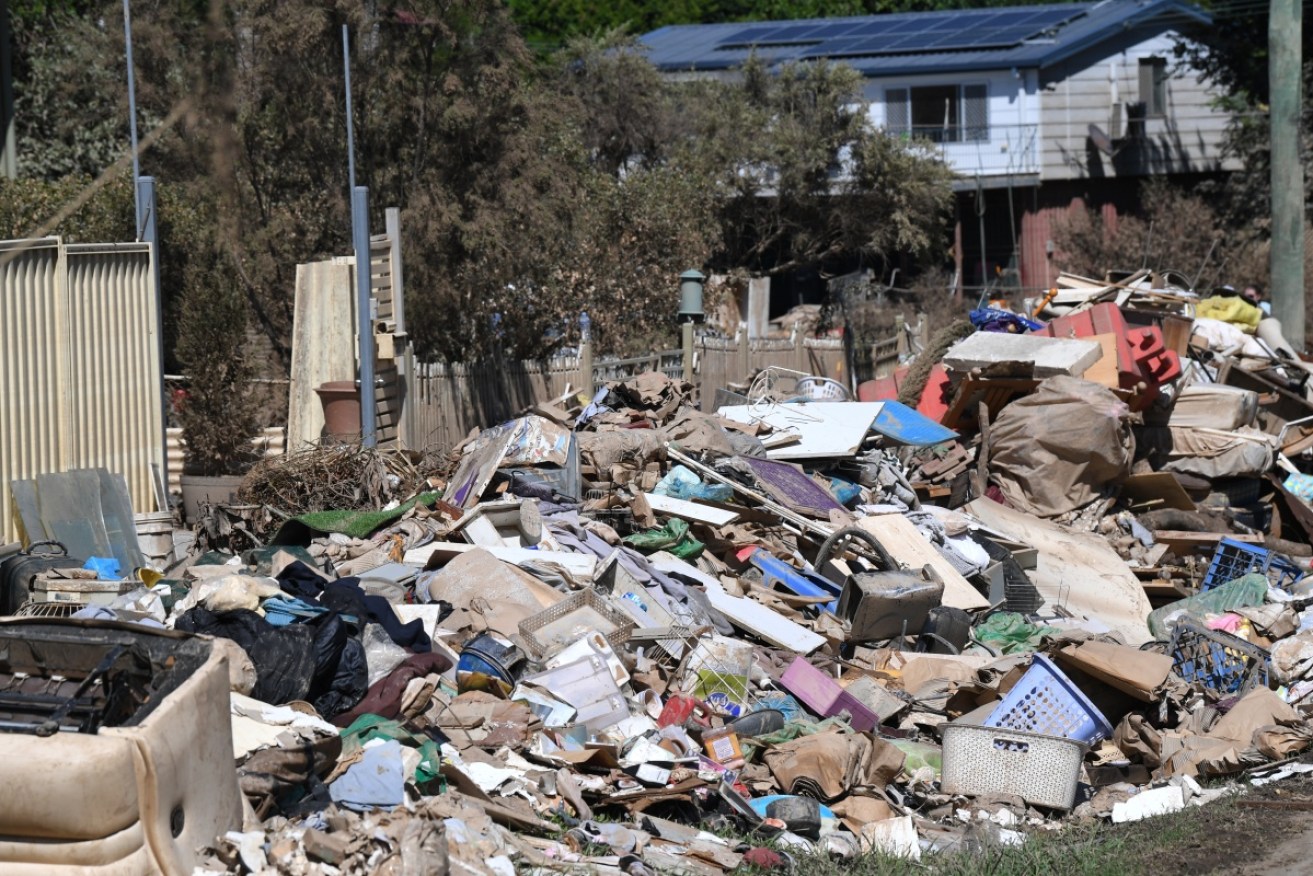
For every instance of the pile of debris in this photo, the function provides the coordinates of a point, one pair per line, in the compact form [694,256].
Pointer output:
[1069,583]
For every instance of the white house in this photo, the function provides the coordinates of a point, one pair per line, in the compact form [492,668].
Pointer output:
[1038,108]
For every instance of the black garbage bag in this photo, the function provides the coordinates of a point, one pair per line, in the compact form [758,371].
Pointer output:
[283,657]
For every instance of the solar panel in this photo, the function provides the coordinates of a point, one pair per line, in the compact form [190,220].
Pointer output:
[910,25]
[902,34]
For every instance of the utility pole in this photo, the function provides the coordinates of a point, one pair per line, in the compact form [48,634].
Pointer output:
[1284,37]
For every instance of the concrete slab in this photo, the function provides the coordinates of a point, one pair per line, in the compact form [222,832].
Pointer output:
[1049,357]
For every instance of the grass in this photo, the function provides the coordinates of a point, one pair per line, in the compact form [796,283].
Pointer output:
[1098,849]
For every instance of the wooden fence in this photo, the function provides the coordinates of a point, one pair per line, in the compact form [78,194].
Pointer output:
[445,401]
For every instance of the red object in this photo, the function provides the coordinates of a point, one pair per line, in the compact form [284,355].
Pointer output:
[680,708]
[935,398]
[763,858]
[1143,361]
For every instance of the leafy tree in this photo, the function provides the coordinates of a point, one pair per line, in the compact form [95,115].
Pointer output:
[840,187]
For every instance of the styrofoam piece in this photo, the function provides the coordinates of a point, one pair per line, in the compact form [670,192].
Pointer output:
[592,644]
[895,837]
[1150,803]
[586,685]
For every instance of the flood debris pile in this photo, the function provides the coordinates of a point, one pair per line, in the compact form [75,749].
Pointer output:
[1067,583]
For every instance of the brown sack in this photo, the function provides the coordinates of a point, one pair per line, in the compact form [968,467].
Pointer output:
[1059,448]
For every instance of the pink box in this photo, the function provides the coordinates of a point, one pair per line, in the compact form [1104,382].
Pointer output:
[823,695]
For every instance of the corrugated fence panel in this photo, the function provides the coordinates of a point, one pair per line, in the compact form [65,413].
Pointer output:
[31,379]
[80,382]
[114,415]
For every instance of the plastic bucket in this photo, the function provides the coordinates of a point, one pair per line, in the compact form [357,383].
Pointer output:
[155,537]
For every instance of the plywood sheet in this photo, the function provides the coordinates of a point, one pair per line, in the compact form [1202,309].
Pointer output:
[908,546]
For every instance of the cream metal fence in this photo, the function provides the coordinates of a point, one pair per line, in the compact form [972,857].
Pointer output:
[80,382]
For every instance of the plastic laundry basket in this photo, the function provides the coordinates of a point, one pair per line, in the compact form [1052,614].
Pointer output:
[1045,701]
[1042,770]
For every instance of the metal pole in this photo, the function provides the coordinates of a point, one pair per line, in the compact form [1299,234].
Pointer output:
[9,147]
[688,351]
[350,127]
[364,316]
[145,191]
[132,114]
[1287,258]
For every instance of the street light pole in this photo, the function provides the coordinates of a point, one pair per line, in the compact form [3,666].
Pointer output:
[132,117]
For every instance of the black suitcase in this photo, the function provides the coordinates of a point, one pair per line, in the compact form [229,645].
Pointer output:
[18,572]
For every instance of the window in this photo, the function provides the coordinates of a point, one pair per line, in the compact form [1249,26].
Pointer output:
[1153,86]
[942,113]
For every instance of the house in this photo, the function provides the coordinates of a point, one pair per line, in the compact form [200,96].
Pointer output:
[1039,109]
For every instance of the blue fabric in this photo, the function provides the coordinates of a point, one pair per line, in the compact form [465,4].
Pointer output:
[990,319]
[378,781]
[283,610]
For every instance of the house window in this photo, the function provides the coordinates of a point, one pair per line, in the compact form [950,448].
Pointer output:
[1153,86]
[941,113]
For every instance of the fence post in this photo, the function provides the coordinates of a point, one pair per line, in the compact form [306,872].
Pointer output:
[744,357]
[799,350]
[586,354]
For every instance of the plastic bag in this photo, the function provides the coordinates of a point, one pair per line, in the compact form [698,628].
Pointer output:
[1011,633]
[1240,593]
[682,483]
[673,538]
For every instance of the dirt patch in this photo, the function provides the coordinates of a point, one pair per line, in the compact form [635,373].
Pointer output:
[1232,836]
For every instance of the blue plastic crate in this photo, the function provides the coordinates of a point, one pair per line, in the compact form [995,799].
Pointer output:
[1046,701]
[1234,559]
[1220,663]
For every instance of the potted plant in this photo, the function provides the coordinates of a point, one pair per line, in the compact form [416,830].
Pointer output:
[217,410]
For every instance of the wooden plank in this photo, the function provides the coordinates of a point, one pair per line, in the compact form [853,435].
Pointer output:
[1104,371]
[1161,488]
[910,548]
[690,510]
[1178,541]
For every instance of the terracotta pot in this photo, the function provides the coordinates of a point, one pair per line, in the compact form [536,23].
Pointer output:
[341,401]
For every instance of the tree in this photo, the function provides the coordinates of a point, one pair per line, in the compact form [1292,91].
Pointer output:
[839,188]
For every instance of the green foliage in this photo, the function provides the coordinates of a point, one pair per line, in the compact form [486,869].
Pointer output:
[529,191]
[66,124]
[841,188]
[27,204]
[217,411]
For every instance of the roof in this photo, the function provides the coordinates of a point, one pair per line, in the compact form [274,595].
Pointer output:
[920,42]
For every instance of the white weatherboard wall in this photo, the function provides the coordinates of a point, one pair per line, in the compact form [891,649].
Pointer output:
[79,365]
[1188,138]
[1012,147]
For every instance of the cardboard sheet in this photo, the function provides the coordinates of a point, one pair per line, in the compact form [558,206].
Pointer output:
[1076,569]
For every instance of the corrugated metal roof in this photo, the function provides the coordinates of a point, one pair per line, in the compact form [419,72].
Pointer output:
[920,42]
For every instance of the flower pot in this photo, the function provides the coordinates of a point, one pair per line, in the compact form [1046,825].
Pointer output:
[197,490]
[341,401]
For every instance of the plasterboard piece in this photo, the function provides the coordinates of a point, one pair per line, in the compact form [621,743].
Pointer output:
[690,510]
